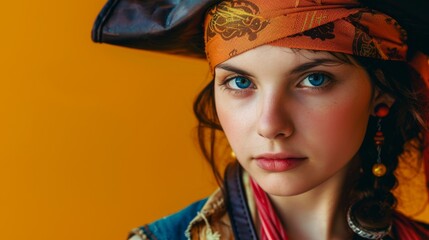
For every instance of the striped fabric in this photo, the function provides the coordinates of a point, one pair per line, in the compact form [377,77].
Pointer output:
[271,227]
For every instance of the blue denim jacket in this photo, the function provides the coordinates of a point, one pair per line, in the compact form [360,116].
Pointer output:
[172,227]
[208,218]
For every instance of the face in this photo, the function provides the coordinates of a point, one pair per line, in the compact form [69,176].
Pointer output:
[294,119]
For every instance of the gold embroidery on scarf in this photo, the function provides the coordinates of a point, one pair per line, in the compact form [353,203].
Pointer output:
[313,19]
[320,18]
[234,18]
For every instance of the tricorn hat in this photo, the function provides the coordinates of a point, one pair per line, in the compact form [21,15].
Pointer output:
[176,26]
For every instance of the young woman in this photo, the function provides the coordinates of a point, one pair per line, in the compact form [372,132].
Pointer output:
[322,103]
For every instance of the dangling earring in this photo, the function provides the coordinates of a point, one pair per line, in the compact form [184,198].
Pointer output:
[381,111]
[233,155]
[378,170]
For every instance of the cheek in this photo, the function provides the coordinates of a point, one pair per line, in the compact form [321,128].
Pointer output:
[340,128]
[236,120]
[233,124]
[226,118]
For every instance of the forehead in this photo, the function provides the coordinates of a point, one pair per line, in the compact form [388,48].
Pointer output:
[282,56]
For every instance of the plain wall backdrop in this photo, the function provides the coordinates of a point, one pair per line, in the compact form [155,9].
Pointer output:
[94,139]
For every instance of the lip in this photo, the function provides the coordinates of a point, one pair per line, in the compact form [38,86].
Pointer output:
[278,156]
[278,162]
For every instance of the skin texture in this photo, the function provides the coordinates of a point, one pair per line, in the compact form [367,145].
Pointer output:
[275,109]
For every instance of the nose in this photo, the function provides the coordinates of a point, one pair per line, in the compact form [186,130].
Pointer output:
[275,119]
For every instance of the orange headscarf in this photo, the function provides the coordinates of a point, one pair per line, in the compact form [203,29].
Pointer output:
[235,26]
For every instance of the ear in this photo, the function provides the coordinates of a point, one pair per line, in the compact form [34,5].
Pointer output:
[381,97]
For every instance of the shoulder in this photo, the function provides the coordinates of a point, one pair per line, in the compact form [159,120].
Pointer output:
[406,228]
[170,227]
[202,218]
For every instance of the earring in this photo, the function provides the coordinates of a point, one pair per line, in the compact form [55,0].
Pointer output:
[364,232]
[233,155]
[381,111]
[378,170]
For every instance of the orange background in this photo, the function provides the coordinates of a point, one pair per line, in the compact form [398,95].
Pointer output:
[94,139]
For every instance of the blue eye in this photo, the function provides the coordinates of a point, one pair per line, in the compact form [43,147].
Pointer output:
[315,80]
[239,83]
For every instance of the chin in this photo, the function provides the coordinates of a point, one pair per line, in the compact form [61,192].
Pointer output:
[283,186]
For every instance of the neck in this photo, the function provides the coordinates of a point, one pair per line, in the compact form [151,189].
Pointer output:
[319,213]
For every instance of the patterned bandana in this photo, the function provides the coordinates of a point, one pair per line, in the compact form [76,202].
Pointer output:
[235,26]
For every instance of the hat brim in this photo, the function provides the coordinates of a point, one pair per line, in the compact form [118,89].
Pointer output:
[168,26]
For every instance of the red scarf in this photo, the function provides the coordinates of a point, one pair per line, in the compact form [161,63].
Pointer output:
[271,227]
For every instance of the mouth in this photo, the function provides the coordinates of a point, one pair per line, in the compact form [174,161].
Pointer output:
[278,162]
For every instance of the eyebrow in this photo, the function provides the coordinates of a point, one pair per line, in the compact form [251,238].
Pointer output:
[301,68]
[230,68]
[314,63]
